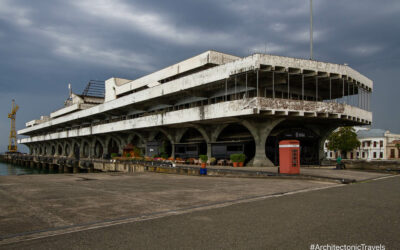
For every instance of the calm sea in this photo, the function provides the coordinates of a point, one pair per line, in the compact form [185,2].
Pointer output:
[11,169]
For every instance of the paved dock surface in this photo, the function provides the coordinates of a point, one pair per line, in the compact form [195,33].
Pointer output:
[324,172]
[160,211]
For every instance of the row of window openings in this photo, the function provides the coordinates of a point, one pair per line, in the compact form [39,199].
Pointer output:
[392,154]
[367,144]
[358,155]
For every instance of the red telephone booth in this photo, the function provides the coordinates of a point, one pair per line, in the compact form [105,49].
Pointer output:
[289,157]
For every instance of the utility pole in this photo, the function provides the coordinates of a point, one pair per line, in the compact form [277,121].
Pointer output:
[311,31]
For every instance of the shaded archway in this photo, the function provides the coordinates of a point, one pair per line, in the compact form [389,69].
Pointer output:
[309,143]
[67,150]
[53,150]
[160,146]
[76,151]
[191,145]
[234,139]
[59,150]
[98,149]
[112,147]
[85,149]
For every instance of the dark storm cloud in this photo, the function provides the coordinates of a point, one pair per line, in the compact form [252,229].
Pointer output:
[44,45]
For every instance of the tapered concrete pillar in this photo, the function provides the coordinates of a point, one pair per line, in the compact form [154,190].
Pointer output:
[260,132]
[173,150]
[209,150]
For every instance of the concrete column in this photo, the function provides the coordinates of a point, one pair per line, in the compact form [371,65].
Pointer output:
[173,150]
[209,150]
[260,132]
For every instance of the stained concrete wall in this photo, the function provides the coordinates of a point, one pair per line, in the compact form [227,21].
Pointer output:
[204,77]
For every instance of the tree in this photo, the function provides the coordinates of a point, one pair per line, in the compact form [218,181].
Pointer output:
[344,139]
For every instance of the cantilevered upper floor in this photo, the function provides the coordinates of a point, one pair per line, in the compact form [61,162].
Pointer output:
[216,85]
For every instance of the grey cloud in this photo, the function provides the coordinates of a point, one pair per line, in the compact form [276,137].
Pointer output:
[47,44]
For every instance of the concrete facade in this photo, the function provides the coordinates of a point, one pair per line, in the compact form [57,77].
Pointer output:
[214,103]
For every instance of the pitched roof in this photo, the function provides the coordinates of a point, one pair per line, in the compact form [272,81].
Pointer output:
[371,133]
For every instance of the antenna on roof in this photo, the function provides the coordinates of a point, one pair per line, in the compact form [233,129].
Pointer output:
[70,89]
[311,31]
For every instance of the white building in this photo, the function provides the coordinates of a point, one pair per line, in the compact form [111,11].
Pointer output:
[374,145]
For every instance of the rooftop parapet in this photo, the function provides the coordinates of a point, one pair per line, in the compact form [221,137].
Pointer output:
[116,87]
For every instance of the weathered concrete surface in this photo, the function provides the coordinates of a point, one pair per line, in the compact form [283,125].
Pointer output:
[244,107]
[326,172]
[366,213]
[39,202]
[204,77]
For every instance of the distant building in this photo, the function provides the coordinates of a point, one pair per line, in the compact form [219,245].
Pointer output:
[375,144]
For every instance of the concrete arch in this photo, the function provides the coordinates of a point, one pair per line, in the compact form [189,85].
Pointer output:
[45,149]
[168,134]
[170,141]
[86,146]
[199,128]
[217,131]
[67,148]
[76,148]
[180,133]
[98,148]
[60,148]
[53,149]
[132,135]
[113,144]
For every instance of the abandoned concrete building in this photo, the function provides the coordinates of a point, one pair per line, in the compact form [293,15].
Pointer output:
[215,104]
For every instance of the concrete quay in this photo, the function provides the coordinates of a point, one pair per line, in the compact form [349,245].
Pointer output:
[67,165]
[37,205]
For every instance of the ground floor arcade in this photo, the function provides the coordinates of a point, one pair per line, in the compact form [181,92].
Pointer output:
[258,139]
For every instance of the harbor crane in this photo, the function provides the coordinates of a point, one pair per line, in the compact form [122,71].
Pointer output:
[12,141]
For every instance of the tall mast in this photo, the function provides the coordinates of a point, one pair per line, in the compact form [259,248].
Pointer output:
[311,31]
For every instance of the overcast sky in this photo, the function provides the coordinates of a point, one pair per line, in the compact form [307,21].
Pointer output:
[44,45]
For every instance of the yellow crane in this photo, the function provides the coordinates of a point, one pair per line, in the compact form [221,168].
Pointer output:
[12,142]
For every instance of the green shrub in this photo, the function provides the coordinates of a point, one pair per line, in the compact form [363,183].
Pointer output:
[242,157]
[235,157]
[114,155]
[164,155]
[128,155]
[203,158]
